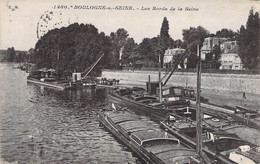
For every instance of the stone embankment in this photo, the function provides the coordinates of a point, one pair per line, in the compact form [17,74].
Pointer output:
[216,82]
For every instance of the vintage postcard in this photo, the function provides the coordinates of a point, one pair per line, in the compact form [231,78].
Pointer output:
[128,81]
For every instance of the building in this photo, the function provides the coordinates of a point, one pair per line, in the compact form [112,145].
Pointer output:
[229,58]
[209,43]
[227,46]
[169,56]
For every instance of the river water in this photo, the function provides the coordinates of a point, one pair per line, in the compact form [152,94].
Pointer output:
[43,125]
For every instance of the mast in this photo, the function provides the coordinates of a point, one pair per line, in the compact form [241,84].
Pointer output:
[198,109]
[160,82]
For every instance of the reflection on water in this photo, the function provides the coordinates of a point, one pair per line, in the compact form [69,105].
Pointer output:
[43,125]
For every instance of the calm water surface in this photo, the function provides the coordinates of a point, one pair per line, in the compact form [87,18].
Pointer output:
[43,125]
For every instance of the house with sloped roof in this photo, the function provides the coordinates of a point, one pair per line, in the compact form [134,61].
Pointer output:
[209,44]
[229,58]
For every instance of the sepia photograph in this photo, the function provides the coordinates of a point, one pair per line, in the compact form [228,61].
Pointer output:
[129,82]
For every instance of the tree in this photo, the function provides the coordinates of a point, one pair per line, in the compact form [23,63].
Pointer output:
[179,43]
[212,58]
[31,54]
[248,41]
[147,52]
[193,37]
[20,56]
[71,48]
[118,40]
[135,56]
[164,39]
[150,49]
[10,54]
[164,33]
[225,33]
[145,48]
[127,51]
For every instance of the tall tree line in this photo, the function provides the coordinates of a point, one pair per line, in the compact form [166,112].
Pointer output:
[76,47]
[12,55]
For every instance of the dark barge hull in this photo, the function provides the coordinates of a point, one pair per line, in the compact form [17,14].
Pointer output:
[146,139]
[127,142]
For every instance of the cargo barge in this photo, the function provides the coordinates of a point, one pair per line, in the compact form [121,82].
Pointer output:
[146,139]
[148,102]
[142,102]
[223,140]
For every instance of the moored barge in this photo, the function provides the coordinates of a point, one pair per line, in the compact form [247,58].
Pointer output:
[222,139]
[145,138]
[142,101]
[148,102]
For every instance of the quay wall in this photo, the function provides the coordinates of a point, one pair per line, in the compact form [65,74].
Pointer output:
[210,81]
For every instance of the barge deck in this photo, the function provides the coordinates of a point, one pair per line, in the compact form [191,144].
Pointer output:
[146,139]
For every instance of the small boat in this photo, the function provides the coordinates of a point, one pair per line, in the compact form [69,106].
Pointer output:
[145,138]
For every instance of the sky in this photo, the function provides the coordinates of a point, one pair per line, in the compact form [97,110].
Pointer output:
[21,19]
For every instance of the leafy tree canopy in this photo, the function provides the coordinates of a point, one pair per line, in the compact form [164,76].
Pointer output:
[248,41]
[193,37]
[225,33]
[71,48]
